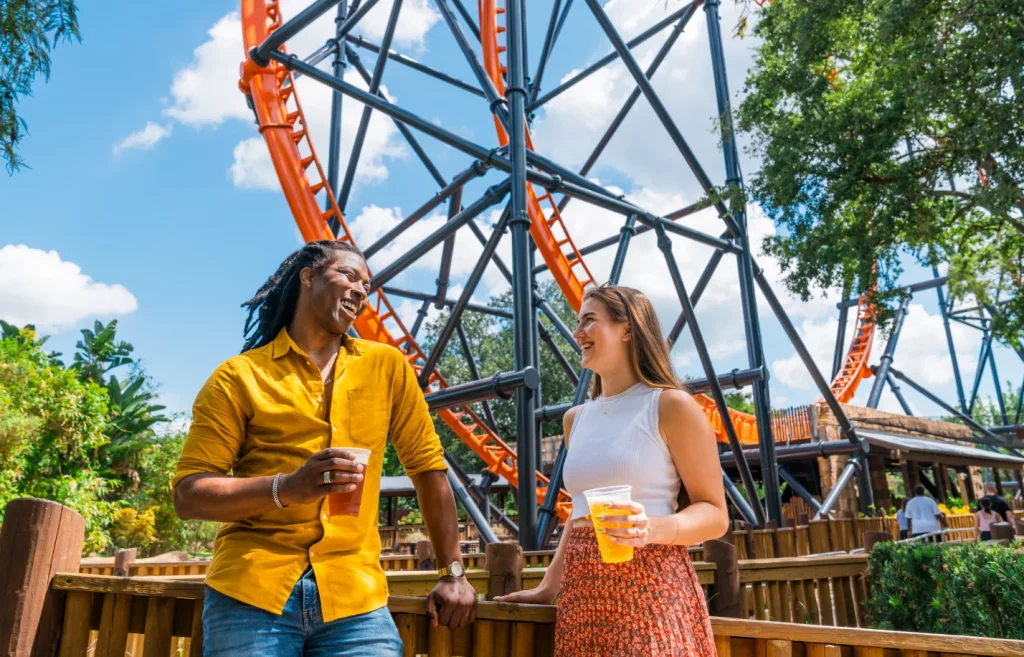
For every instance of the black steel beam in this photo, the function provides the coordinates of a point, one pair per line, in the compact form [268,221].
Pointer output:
[738,501]
[466,16]
[837,489]
[550,176]
[846,427]
[665,245]
[491,197]
[799,489]
[607,59]
[890,350]
[364,119]
[474,372]
[944,309]
[455,317]
[652,68]
[360,42]
[421,314]
[899,393]
[1000,402]
[475,170]
[910,289]
[447,252]
[429,299]
[698,292]
[479,518]
[497,103]
[986,346]
[261,53]
[334,147]
[502,385]
[545,51]
[840,349]
[786,453]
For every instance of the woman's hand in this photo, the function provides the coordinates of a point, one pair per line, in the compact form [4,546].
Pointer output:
[633,530]
[307,485]
[541,595]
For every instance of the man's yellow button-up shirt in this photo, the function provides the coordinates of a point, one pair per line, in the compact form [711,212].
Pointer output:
[263,412]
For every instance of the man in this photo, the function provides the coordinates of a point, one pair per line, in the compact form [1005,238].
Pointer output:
[999,503]
[288,577]
[923,515]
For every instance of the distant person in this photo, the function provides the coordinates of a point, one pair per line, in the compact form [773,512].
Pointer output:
[901,519]
[999,503]
[984,518]
[274,454]
[923,515]
[633,591]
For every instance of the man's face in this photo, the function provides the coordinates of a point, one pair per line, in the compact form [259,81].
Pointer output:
[338,293]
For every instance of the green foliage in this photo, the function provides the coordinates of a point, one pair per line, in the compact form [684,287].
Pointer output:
[29,29]
[861,112]
[968,589]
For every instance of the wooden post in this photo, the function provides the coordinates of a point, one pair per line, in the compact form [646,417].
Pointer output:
[38,539]
[123,561]
[871,539]
[998,481]
[1002,530]
[803,518]
[504,562]
[940,483]
[425,555]
[727,596]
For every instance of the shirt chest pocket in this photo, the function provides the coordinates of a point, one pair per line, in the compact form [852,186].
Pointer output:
[369,415]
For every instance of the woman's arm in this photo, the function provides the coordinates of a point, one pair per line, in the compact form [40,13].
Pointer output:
[977,525]
[691,441]
[550,586]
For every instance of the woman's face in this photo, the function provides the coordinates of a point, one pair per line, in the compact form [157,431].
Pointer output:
[605,343]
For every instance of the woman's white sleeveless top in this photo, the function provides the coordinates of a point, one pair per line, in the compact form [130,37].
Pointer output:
[615,441]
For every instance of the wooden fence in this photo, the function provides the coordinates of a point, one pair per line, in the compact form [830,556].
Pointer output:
[103,616]
[48,608]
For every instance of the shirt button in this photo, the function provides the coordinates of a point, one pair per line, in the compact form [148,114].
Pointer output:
[312,554]
[334,428]
[324,516]
[319,400]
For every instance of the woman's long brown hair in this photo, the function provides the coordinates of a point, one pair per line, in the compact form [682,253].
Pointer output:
[648,350]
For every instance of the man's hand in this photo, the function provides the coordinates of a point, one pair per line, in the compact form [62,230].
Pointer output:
[452,603]
[307,485]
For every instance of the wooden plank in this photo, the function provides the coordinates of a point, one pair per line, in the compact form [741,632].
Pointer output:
[866,651]
[819,538]
[439,641]
[723,646]
[159,623]
[785,542]
[823,650]
[778,648]
[483,638]
[748,601]
[760,603]
[485,610]
[850,602]
[749,575]
[196,638]
[764,546]
[406,624]
[802,535]
[132,586]
[739,540]
[817,634]
[74,640]
[786,592]
[113,633]
[774,602]
[462,641]
[839,600]
[813,607]
[825,602]
[502,639]
[522,640]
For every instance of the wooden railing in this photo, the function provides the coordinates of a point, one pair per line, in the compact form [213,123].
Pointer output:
[807,590]
[106,617]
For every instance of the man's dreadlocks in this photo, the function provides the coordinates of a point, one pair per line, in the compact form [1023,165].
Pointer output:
[273,306]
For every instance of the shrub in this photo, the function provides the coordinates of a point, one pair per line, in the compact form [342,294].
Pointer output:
[969,589]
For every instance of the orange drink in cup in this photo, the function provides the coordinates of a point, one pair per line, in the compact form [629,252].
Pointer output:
[348,504]
[600,500]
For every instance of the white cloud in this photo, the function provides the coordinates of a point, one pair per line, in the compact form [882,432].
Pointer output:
[146,138]
[38,287]
[205,92]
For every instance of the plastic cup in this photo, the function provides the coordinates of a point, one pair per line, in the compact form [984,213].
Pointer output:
[347,504]
[600,500]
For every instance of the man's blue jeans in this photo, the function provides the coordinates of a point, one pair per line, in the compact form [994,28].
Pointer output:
[235,628]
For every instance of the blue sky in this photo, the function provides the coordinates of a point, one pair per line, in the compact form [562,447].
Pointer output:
[147,173]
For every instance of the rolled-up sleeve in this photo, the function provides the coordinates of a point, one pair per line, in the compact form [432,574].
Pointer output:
[412,430]
[218,426]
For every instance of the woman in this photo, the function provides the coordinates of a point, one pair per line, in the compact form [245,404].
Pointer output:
[984,518]
[639,429]
[901,519]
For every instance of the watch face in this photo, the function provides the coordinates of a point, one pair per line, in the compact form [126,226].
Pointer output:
[457,569]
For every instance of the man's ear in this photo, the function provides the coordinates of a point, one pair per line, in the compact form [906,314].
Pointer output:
[306,276]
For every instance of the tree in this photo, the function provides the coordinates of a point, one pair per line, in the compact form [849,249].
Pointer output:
[888,128]
[29,29]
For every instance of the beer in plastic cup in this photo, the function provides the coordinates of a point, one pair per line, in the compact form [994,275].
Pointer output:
[600,500]
[347,504]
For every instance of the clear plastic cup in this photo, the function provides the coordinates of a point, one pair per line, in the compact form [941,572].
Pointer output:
[600,500]
[348,504]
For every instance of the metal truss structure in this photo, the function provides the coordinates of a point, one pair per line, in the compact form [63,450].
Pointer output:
[493,43]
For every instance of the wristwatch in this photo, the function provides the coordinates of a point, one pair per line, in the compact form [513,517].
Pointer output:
[454,569]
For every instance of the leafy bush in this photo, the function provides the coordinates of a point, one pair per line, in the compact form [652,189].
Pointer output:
[971,589]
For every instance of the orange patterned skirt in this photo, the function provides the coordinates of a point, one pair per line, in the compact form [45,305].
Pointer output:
[652,605]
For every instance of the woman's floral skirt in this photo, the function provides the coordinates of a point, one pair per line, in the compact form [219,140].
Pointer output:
[652,605]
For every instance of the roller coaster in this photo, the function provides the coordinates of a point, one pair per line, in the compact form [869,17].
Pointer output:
[495,54]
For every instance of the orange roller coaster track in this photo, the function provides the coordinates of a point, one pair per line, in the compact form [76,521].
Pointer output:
[284,128]
[571,273]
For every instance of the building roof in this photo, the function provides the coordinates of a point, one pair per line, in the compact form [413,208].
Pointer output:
[922,449]
[402,486]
